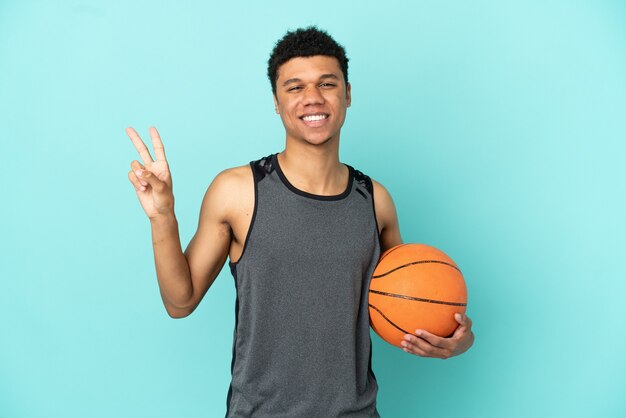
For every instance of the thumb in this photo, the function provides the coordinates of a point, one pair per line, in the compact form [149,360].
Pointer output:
[464,323]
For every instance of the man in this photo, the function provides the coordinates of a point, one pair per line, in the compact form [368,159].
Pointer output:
[303,233]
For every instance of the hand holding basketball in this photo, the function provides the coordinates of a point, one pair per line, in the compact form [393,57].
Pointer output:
[153,180]
[425,344]
[416,287]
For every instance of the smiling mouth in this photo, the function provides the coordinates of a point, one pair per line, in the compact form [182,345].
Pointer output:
[314,118]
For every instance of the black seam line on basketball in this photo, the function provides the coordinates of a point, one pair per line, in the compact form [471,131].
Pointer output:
[392,250]
[386,319]
[416,262]
[440,302]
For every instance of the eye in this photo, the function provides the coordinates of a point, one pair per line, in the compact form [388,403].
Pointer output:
[327,85]
[294,88]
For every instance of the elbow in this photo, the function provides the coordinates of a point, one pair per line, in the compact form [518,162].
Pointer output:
[178,313]
[176,310]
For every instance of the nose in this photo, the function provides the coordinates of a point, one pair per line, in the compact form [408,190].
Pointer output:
[312,96]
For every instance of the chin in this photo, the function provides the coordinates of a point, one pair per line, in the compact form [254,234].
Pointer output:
[319,137]
[318,141]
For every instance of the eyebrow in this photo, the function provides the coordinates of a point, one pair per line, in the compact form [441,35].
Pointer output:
[322,77]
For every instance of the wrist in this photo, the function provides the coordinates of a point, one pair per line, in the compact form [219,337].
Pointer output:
[163,218]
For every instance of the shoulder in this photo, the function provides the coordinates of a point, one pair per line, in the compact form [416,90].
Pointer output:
[383,203]
[231,182]
[381,194]
[372,186]
[234,175]
[230,191]
[386,217]
[231,179]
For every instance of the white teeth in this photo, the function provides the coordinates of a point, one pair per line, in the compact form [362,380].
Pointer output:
[314,117]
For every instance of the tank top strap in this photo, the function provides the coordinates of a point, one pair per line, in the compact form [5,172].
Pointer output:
[262,167]
[364,181]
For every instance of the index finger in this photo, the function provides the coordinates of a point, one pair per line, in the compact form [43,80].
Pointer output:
[157,145]
[139,145]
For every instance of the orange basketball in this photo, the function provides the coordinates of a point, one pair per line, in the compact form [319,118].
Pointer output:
[415,286]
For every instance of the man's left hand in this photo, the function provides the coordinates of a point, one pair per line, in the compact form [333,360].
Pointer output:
[425,344]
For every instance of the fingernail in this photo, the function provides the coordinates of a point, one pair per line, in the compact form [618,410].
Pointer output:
[404,344]
[143,189]
[143,182]
[138,172]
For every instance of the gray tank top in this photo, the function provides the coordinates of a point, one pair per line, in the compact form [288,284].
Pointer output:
[301,342]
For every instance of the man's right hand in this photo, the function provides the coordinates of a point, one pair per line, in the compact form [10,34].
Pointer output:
[152,180]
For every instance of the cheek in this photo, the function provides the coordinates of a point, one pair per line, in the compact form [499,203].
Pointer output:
[288,115]
[341,108]
[290,111]
[340,103]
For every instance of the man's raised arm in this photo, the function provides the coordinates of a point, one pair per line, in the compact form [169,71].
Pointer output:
[183,278]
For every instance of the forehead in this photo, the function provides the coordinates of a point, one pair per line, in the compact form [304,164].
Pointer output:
[309,67]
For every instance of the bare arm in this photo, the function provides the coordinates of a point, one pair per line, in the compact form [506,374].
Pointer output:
[387,218]
[183,278]
[422,343]
[171,265]
[207,251]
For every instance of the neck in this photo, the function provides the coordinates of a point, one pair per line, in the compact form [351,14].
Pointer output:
[314,168]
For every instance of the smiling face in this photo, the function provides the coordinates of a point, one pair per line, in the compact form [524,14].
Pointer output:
[312,98]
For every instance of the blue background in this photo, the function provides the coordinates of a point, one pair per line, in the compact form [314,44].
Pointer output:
[497,126]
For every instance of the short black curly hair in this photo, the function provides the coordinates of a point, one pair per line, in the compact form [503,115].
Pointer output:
[305,42]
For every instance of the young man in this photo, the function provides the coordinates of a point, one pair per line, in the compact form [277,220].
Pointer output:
[303,233]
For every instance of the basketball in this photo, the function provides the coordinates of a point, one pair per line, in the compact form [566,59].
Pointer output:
[415,286]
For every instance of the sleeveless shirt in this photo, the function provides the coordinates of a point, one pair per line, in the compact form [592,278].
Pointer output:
[301,345]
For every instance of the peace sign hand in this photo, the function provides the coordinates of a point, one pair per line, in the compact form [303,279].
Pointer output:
[152,180]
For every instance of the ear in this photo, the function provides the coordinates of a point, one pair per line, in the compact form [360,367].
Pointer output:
[348,95]
[276,104]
